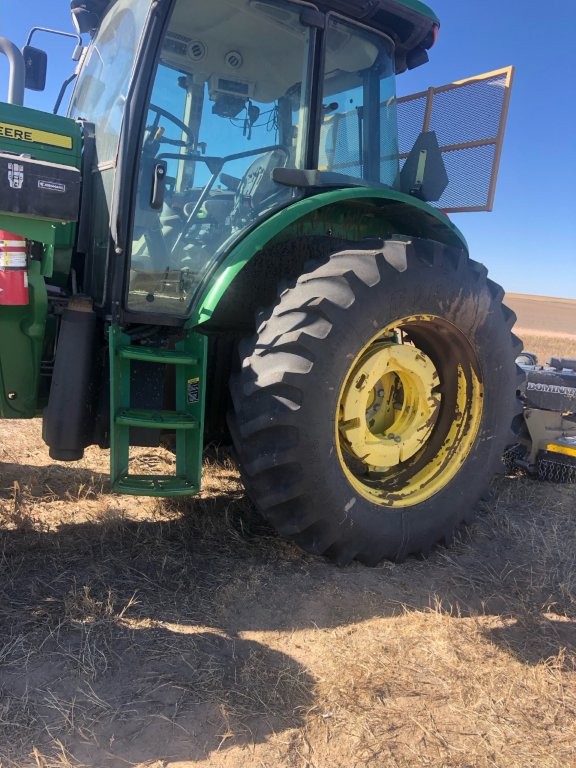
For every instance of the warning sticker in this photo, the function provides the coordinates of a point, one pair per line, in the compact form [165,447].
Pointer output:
[193,390]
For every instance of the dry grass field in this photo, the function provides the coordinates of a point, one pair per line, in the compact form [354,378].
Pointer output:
[136,632]
[546,325]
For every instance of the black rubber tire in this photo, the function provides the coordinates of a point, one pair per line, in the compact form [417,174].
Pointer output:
[285,398]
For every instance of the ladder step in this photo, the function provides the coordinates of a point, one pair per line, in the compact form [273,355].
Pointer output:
[141,417]
[187,380]
[155,485]
[157,355]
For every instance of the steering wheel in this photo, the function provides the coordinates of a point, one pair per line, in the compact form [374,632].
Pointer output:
[160,112]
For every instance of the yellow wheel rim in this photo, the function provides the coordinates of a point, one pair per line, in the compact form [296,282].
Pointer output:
[409,411]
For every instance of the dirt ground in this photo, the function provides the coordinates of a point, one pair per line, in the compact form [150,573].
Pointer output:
[136,632]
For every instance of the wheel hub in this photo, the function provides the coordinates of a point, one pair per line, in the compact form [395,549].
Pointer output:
[409,411]
[389,404]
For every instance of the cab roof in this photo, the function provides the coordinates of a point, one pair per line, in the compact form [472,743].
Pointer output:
[412,25]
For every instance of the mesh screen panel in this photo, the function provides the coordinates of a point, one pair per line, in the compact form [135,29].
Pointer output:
[410,121]
[468,118]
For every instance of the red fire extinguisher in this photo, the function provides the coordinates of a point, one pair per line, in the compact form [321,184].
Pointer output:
[13,274]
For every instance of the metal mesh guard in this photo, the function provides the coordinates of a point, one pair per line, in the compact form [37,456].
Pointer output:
[468,118]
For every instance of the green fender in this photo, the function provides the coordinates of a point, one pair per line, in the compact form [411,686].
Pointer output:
[364,209]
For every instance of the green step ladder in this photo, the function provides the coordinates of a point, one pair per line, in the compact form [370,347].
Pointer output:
[187,420]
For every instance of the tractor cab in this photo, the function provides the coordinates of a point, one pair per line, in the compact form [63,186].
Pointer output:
[224,114]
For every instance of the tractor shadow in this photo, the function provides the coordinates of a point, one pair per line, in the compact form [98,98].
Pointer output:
[141,623]
[51,481]
[149,693]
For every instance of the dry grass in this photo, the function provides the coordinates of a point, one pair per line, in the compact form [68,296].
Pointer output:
[546,325]
[544,314]
[546,347]
[135,632]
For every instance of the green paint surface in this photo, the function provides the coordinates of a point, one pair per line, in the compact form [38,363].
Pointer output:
[350,213]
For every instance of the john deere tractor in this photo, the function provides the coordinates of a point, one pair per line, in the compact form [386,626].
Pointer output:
[239,232]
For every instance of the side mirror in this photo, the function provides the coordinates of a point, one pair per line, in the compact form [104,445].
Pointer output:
[35,67]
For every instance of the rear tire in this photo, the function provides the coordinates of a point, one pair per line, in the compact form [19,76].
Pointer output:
[375,401]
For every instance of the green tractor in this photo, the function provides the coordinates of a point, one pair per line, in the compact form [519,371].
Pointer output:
[239,232]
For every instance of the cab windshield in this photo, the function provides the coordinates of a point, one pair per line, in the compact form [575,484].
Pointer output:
[229,104]
[230,120]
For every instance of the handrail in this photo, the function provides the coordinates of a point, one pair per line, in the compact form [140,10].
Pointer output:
[17,71]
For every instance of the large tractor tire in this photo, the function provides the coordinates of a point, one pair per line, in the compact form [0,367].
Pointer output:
[375,400]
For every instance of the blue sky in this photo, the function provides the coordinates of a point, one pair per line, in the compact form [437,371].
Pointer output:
[526,241]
